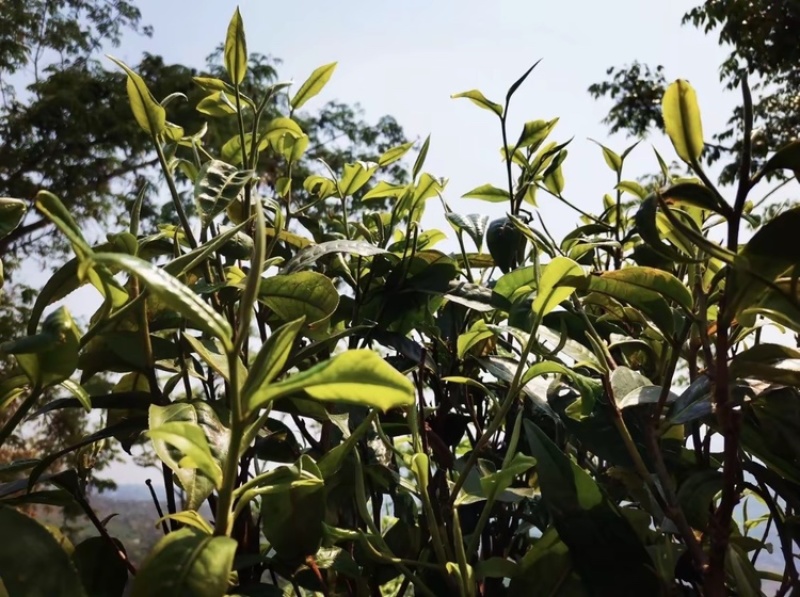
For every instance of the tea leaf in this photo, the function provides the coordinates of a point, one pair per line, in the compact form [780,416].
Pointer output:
[236,49]
[186,562]
[313,85]
[682,120]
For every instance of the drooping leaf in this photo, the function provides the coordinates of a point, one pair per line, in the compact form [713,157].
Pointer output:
[149,114]
[193,430]
[235,51]
[473,224]
[605,549]
[786,158]
[356,376]
[186,562]
[11,213]
[313,85]
[682,120]
[555,285]
[477,98]
[51,356]
[172,293]
[311,254]
[33,563]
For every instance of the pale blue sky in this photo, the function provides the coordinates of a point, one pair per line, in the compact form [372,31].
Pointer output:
[406,58]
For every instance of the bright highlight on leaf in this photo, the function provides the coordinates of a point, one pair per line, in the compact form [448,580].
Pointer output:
[555,285]
[313,85]
[682,120]
[236,49]
[149,114]
[356,377]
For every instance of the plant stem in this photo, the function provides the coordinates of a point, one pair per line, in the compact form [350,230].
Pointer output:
[176,198]
[224,520]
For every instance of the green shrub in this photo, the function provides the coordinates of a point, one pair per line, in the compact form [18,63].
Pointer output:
[365,414]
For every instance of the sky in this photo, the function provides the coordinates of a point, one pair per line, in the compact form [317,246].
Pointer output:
[407,58]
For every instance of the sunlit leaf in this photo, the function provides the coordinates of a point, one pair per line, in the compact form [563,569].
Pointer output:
[356,377]
[235,51]
[312,86]
[149,114]
[478,99]
[682,120]
[555,285]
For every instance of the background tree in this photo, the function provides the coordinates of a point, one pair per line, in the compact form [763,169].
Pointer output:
[762,35]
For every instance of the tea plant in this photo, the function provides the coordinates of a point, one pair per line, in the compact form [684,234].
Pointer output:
[367,415]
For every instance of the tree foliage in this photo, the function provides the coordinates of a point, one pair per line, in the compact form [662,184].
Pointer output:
[761,36]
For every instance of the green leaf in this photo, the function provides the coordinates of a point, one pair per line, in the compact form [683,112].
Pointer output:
[271,358]
[276,130]
[695,496]
[786,158]
[473,224]
[51,356]
[356,176]
[489,193]
[102,571]
[772,363]
[236,49]
[535,132]
[516,285]
[295,503]
[313,85]
[420,161]
[384,189]
[390,156]
[512,90]
[218,184]
[634,188]
[605,549]
[310,295]
[313,253]
[682,120]
[692,194]
[190,429]
[498,482]
[476,334]
[33,563]
[172,293]
[149,114]
[357,377]
[477,98]
[555,285]
[186,562]
[613,160]
[191,518]
[11,213]
[216,105]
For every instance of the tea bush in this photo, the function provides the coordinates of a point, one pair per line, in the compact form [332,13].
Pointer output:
[367,415]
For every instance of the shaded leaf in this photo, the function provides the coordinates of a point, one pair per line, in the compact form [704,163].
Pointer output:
[186,562]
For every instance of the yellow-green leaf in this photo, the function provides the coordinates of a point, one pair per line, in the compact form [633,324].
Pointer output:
[356,377]
[554,285]
[149,114]
[236,49]
[477,98]
[682,120]
[313,85]
[173,293]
